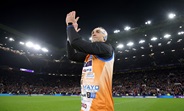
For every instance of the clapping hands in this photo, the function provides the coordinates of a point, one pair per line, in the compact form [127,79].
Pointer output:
[71,18]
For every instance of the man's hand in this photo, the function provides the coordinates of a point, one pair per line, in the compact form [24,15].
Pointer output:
[75,25]
[70,18]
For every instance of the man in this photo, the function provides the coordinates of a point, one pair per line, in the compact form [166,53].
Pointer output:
[98,59]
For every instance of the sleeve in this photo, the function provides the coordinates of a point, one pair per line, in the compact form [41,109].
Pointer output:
[73,55]
[100,49]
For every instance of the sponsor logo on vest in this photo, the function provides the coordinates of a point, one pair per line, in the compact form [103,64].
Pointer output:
[91,87]
[90,75]
[83,95]
[84,105]
[88,69]
[91,95]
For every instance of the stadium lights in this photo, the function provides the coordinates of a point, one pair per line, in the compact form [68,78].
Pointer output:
[120,46]
[181,33]
[11,39]
[127,28]
[142,47]
[141,41]
[154,38]
[148,22]
[37,47]
[44,49]
[167,36]
[130,44]
[162,52]
[116,31]
[150,45]
[134,49]
[171,15]
[22,43]
[90,38]
[169,42]
[179,40]
[152,54]
[159,44]
[29,44]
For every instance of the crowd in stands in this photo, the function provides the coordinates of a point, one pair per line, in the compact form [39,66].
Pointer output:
[29,83]
[149,83]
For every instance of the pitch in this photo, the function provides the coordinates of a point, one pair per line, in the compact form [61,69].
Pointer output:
[72,103]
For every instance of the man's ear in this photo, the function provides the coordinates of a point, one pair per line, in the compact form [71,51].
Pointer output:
[105,38]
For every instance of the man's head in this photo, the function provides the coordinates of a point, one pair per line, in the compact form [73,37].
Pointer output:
[99,34]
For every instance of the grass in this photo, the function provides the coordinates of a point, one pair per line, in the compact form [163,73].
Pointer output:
[72,103]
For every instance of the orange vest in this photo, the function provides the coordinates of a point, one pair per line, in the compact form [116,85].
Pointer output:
[96,84]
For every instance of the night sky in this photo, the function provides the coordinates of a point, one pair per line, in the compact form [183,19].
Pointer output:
[46,20]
